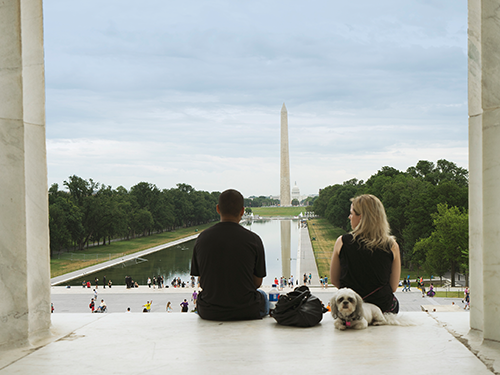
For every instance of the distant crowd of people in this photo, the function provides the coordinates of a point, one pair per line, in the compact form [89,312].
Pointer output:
[155,281]
[159,282]
[285,282]
[406,284]
[87,284]
[184,305]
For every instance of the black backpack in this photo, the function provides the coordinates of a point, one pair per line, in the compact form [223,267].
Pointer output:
[298,308]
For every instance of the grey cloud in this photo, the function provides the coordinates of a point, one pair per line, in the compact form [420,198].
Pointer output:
[356,76]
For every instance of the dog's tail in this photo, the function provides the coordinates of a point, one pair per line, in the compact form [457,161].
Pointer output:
[397,320]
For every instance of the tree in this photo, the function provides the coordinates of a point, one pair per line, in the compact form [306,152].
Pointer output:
[142,221]
[339,205]
[82,194]
[183,208]
[423,170]
[65,220]
[309,201]
[295,202]
[260,201]
[334,203]
[321,203]
[427,252]
[409,198]
[447,246]
[91,212]
[444,170]
[452,232]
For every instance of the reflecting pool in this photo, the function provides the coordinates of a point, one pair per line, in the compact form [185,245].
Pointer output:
[280,238]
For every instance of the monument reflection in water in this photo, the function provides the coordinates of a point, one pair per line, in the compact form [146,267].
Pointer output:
[280,238]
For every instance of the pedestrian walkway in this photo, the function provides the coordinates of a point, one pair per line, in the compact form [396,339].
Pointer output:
[306,262]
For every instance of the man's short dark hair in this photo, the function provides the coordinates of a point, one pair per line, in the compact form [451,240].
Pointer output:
[230,202]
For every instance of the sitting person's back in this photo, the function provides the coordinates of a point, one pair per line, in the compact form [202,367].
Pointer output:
[230,263]
[367,272]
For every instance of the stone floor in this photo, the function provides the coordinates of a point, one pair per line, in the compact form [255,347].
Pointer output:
[137,343]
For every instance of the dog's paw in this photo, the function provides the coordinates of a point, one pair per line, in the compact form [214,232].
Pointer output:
[360,324]
[338,324]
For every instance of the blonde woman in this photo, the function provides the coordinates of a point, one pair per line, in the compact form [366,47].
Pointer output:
[367,259]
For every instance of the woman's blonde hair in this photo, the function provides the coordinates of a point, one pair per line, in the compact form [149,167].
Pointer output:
[373,229]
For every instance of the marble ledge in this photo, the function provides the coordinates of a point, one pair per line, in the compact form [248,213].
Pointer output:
[137,343]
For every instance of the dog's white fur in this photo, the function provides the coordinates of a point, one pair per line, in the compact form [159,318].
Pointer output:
[348,306]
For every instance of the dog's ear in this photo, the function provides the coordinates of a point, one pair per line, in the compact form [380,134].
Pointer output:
[333,306]
[358,312]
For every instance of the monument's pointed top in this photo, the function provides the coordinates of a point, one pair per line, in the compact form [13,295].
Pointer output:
[283,109]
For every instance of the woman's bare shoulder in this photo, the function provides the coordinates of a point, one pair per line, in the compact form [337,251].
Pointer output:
[395,247]
[338,245]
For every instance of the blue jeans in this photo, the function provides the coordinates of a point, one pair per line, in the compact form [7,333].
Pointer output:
[266,306]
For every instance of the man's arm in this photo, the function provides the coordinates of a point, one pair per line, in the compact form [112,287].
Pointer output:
[257,281]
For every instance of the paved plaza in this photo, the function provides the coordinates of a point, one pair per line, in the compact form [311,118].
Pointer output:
[119,298]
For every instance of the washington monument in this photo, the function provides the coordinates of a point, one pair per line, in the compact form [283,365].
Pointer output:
[285,164]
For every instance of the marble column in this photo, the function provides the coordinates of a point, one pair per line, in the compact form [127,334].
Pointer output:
[490,102]
[24,235]
[285,164]
[475,166]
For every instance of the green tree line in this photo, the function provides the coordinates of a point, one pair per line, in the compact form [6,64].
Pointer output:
[260,202]
[415,202]
[89,212]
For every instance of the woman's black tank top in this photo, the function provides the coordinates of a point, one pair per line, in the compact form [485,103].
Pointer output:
[366,271]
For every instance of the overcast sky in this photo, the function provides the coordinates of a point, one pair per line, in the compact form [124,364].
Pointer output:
[190,92]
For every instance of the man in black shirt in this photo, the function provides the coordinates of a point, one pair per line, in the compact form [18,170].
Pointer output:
[230,263]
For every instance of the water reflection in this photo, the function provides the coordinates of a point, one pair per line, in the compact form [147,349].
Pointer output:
[286,237]
[280,238]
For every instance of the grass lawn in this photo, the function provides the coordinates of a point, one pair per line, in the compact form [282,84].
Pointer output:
[323,236]
[415,273]
[100,254]
[278,211]
[450,294]
[446,294]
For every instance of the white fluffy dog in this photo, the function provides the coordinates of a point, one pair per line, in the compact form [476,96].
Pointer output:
[349,311]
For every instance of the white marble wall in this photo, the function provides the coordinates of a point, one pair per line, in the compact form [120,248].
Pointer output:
[484,144]
[475,165]
[490,98]
[24,236]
